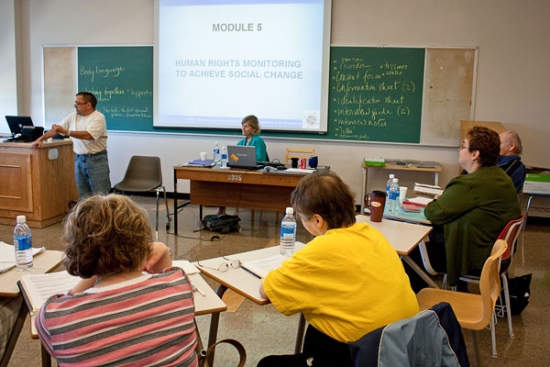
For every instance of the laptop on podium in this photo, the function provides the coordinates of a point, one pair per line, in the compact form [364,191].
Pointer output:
[240,156]
[16,124]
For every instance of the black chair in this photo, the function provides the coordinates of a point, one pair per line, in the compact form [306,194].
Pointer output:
[144,174]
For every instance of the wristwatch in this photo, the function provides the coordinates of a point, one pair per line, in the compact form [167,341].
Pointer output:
[68,132]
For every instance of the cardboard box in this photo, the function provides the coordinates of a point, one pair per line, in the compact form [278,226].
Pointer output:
[537,183]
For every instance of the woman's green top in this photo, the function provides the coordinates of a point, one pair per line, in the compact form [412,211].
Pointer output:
[473,209]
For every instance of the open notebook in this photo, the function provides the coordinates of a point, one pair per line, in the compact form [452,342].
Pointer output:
[262,267]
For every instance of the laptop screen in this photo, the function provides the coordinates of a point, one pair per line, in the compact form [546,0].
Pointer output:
[240,156]
[16,123]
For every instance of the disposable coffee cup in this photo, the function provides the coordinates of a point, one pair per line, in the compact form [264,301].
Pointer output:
[203,156]
[402,193]
[376,205]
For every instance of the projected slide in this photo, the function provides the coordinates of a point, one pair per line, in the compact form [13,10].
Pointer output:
[219,61]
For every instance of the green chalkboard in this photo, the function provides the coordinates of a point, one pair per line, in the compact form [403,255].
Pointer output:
[121,78]
[376,94]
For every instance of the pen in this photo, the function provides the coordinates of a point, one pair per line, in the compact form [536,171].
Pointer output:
[249,271]
[197,289]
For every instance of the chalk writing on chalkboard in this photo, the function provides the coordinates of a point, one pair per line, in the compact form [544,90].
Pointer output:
[121,79]
[376,93]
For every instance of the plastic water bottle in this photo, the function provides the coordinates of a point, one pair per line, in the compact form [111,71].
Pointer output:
[288,233]
[223,157]
[388,184]
[393,197]
[22,243]
[216,153]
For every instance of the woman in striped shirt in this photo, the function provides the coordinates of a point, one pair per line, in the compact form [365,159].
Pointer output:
[131,307]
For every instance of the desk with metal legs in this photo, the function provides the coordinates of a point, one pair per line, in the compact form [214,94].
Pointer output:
[404,237]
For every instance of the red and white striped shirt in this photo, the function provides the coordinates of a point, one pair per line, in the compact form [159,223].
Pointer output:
[147,321]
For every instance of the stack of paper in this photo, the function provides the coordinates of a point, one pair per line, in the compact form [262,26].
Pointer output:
[418,201]
[7,256]
[427,189]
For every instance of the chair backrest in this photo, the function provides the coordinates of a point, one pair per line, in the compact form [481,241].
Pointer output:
[489,283]
[144,172]
[297,153]
[510,234]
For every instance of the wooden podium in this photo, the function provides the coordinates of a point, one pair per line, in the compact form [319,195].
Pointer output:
[38,183]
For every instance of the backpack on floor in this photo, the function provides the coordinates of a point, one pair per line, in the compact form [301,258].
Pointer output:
[221,223]
[520,290]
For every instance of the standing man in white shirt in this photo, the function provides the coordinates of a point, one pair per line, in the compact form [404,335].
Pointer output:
[88,131]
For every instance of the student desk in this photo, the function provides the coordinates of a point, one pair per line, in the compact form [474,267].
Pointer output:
[209,303]
[238,188]
[44,262]
[404,237]
[394,167]
[241,281]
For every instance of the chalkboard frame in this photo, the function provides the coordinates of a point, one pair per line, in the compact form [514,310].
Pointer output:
[433,132]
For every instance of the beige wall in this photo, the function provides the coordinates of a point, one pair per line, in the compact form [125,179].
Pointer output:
[512,75]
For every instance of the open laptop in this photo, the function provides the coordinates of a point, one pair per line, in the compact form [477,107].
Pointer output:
[16,124]
[240,156]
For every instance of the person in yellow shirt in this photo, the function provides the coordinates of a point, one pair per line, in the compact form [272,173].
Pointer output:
[347,281]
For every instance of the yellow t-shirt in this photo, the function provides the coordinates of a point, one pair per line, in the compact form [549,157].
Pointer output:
[346,282]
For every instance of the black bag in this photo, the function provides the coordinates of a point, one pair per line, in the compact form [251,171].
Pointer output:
[520,290]
[221,223]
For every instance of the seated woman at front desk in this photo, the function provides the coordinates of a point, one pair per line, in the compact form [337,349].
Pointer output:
[473,209]
[251,128]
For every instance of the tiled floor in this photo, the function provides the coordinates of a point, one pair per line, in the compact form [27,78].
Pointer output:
[264,331]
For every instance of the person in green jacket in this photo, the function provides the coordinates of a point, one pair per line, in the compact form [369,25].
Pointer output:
[473,209]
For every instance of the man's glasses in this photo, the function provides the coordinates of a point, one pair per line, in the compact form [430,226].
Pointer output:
[76,103]
[223,267]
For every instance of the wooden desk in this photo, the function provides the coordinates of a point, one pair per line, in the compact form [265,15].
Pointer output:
[394,167]
[38,183]
[236,188]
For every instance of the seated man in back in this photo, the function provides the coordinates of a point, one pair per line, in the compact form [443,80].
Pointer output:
[509,159]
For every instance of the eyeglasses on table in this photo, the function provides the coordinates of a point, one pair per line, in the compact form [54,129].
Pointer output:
[223,267]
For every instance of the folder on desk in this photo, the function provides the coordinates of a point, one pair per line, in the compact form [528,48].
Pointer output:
[200,163]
